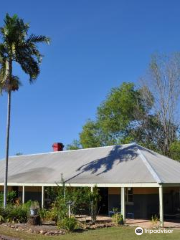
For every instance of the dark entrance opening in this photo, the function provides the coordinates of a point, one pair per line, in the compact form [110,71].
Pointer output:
[103,203]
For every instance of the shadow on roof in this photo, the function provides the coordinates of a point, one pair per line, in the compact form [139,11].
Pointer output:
[117,154]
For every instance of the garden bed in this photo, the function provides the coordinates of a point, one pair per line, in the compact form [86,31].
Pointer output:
[50,229]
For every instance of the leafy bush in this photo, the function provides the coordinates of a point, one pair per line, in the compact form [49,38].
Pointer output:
[79,198]
[11,196]
[43,214]
[1,219]
[1,199]
[69,224]
[13,214]
[117,219]
[49,215]
[26,206]
[154,219]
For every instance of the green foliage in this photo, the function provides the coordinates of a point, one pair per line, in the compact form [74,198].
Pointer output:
[175,150]
[49,214]
[1,219]
[17,46]
[122,118]
[78,198]
[26,206]
[43,214]
[14,213]
[118,109]
[11,196]
[117,219]
[127,116]
[90,135]
[74,146]
[1,199]
[154,219]
[69,224]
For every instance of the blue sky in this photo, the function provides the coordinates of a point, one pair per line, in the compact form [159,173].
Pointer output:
[96,45]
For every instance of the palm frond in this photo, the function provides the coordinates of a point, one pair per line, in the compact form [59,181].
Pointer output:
[29,65]
[29,49]
[14,30]
[18,47]
[3,72]
[38,39]
[12,85]
[3,60]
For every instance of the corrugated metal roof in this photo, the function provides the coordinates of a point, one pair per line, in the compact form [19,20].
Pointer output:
[129,163]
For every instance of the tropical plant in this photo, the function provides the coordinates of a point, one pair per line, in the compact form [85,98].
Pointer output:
[1,199]
[11,196]
[69,224]
[13,213]
[117,219]
[154,219]
[17,46]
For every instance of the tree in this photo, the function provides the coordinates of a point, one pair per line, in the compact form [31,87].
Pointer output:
[17,46]
[175,150]
[90,135]
[74,145]
[163,81]
[122,111]
[123,117]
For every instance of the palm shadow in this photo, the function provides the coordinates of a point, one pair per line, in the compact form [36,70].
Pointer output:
[103,165]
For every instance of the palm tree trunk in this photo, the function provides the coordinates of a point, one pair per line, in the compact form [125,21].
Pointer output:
[9,76]
[7,147]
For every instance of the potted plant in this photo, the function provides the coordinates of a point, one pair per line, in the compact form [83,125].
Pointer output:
[34,208]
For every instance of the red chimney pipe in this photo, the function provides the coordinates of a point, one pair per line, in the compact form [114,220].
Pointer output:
[57,147]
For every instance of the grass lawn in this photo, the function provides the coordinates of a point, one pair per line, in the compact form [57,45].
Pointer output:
[113,233]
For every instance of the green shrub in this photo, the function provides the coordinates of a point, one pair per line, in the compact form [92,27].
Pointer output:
[1,199]
[26,206]
[117,219]
[69,224]
[1,219]
[47,215]
[43,214]
[13,214]
[11,196]
[154,219]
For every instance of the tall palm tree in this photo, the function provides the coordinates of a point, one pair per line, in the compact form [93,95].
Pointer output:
[16,46]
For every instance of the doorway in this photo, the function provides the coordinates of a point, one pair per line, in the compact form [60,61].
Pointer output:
[103,203]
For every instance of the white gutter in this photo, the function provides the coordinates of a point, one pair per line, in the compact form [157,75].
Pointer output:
[84,184]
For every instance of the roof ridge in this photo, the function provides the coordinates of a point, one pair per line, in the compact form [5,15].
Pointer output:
[149,167]
[81,149]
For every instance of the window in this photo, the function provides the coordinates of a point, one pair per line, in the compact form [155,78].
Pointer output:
[129,195]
